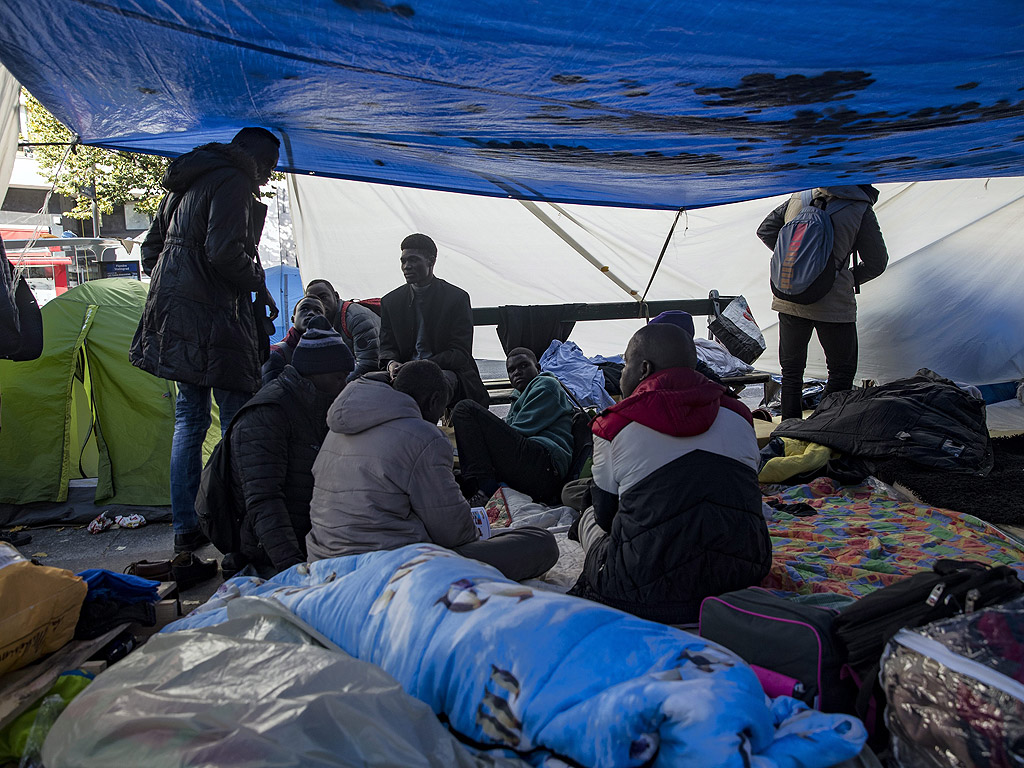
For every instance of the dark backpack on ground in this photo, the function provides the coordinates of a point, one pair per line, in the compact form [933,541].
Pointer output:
[787,641]
[864,628]
[802,268]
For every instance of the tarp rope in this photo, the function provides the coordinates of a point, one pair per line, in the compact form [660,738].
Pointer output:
[664,248]
[19,266]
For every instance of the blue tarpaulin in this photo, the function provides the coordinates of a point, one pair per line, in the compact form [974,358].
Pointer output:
[657,104]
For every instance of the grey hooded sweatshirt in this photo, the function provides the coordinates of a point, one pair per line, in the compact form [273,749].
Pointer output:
[383,478]
[855,227]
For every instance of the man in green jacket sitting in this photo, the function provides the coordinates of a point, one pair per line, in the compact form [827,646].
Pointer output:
[531,449]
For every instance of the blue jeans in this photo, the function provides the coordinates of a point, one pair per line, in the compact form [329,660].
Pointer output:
[191,421]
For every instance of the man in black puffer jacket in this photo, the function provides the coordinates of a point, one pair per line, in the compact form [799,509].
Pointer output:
[200,327]
[677,508]
[274,442]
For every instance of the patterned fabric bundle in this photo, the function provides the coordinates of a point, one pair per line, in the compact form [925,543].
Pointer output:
[544,675]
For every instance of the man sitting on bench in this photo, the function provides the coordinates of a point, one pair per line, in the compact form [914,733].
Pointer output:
[677,508]
[430,319]
[531,449]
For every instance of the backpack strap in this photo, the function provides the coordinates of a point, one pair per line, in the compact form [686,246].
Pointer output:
[344,318]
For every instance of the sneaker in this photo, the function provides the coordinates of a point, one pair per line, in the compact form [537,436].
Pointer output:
[189,542]
[190,570]
[158,570]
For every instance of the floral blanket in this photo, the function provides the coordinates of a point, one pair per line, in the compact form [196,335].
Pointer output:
[860,540]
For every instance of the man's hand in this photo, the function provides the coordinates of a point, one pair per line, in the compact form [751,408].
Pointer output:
[272,306]
[393,367]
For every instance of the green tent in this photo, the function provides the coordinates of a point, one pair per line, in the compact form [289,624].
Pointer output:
[82,409]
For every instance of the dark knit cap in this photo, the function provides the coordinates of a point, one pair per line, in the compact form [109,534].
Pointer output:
[678,318]
[322,351]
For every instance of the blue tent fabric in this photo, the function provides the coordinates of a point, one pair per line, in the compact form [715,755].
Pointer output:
[664,104]
[285,285]
[541,673]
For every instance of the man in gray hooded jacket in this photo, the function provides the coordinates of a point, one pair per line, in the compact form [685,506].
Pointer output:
[383,479]
[834,316]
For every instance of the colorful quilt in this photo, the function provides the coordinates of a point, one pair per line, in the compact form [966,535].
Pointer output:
[861,540]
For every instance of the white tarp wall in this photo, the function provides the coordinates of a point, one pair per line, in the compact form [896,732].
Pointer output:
[950,300]
[9,90]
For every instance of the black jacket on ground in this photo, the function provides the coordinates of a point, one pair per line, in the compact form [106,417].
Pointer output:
[274,442]
[449,319]
[198,324]
[924,418]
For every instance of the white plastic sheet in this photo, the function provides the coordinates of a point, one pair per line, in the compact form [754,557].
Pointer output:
[949,300]
[257,690]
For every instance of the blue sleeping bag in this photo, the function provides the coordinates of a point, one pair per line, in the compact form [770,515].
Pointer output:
[543,674]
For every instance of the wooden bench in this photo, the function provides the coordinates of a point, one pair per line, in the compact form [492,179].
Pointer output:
[501,391]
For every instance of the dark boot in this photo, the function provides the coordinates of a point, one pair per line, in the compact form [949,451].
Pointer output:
[189,570]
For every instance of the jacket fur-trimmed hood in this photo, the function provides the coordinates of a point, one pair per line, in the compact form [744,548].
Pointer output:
[185,170]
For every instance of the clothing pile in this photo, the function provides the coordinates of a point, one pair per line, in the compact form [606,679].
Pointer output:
[114,599]
[719,359]
[924,418]
[580,374]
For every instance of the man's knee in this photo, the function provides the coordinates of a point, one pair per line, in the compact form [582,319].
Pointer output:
[538,547]
[543,547]
[576,494]
[467,409]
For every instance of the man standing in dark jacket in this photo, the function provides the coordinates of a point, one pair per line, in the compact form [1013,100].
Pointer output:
[677,508]
[274,442]
[200,327]
[359,326]
[834,316]
[430,319]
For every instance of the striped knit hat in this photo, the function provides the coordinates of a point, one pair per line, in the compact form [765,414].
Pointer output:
[322,350]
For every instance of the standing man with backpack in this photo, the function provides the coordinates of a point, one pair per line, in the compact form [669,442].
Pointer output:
[813,236]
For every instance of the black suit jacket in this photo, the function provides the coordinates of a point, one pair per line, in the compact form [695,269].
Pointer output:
[449,320]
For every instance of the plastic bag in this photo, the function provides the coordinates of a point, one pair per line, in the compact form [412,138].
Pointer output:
[955,691]
[257,690]
[736,328]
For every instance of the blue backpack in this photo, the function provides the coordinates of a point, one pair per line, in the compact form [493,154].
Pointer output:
[803,269]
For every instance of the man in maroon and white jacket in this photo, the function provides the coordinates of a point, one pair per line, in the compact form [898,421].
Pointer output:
[677,508]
